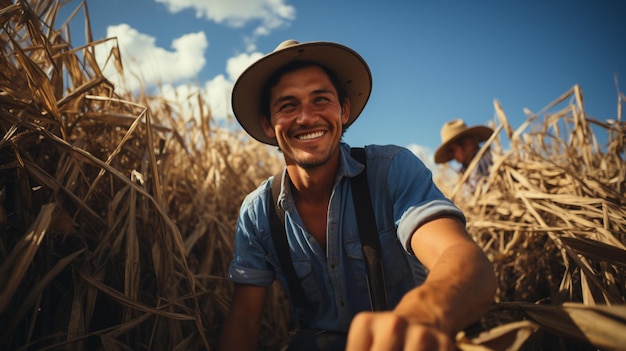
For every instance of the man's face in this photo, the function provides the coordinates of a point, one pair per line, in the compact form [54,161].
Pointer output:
[306,117]
[462,151]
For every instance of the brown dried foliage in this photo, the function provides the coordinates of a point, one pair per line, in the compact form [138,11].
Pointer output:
[551,216]
[116,216]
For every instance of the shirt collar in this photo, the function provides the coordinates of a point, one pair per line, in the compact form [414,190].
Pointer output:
[348,166]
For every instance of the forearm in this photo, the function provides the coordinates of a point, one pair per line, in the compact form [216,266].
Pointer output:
[239,335]
[242,326]
[459,289]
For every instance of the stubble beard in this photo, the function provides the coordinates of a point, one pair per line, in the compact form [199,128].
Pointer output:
[308,163]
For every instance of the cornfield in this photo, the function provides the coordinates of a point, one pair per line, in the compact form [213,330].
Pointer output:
[117,212]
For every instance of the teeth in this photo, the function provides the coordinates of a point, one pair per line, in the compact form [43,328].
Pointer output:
[311,136]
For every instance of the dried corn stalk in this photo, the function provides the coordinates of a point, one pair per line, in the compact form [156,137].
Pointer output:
[116,216]
[551,216]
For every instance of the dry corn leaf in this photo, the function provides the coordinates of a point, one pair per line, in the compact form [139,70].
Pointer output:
[506,337]
[602,326]
[20,258]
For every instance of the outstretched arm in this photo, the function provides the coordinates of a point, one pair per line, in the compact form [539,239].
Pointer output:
[459,289]
[243,323]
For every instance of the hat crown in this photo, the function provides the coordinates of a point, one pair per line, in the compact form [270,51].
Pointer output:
[285,44]
[451,129]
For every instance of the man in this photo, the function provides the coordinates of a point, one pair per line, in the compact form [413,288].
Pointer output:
[302,97]
[460,143]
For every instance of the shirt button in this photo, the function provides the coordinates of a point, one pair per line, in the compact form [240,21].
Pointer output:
[332,266]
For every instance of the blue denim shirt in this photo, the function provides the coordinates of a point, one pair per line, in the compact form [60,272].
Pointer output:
[404,197]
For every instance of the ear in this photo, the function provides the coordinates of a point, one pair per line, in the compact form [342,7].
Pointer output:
[267,126]
[345,111]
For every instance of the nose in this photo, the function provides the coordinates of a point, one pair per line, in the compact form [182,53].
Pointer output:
[456,152]
[307,114]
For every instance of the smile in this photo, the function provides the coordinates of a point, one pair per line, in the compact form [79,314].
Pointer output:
[311,135]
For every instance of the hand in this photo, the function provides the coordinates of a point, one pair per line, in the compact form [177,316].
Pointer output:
[388,331]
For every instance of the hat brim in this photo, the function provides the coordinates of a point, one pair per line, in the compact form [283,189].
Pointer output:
[481,133]
[349,66]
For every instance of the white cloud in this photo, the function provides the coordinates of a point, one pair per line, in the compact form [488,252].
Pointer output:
[237,64]
[217,94]
[271,14]
[146,64]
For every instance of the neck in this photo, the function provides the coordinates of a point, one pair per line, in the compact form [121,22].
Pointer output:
[314,184]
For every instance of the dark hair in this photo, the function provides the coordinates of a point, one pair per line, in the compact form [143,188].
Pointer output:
[291,67]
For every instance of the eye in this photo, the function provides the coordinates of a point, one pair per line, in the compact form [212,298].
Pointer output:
[286,106]
[321,99]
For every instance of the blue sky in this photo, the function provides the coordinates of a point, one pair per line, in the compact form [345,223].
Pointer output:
[432,61]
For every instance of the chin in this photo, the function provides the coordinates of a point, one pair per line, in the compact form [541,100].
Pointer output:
[310,163]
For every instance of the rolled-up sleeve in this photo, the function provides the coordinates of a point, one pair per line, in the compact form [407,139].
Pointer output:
[249,264]
[416,198]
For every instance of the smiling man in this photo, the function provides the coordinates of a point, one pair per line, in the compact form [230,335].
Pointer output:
[302,97]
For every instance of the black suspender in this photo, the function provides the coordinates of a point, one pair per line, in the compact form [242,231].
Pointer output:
[368,233]
[279,236]
[370,242]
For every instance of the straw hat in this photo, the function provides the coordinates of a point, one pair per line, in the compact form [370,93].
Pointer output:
[348,65]
[452,131]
